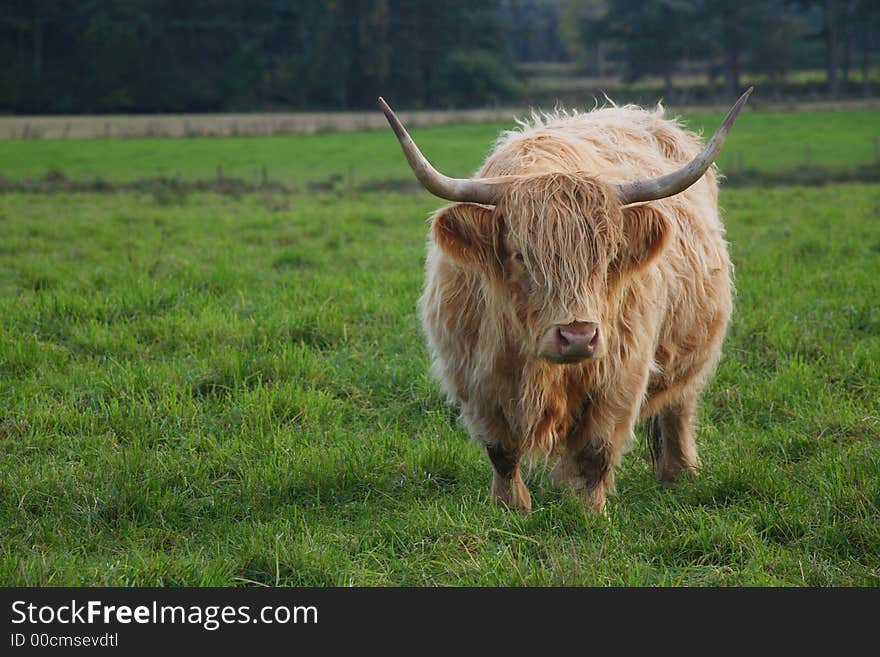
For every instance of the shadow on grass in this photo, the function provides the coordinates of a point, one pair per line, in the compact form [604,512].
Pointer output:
[175,191]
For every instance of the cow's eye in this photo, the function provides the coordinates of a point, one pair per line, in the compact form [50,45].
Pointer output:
[518,257]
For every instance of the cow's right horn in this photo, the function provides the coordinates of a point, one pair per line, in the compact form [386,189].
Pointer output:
[465,190]
[651,189]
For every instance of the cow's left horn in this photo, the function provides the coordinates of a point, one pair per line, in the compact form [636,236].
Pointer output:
[466,190]
[651,189]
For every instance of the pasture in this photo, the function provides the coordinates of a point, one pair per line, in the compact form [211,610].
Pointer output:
[209,389]
[763,141]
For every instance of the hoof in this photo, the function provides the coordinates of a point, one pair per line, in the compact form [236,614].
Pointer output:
[512,495]
[669,473]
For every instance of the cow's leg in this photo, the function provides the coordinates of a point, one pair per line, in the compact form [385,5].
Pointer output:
[594,446]
[678,450]
[508,488]
[653,434]
[590,471]
[587,461]
[595,474]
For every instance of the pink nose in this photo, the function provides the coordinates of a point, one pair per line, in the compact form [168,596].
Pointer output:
[577,340]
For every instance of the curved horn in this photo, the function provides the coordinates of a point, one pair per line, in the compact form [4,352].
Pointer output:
[651,189]
[467,190]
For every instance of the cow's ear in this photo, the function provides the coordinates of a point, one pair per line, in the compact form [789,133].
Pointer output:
[466,232]
[648,232]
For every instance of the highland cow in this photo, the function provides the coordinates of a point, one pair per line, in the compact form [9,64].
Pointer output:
[580,283]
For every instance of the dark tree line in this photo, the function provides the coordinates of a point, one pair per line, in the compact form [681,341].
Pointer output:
[766,37]
[98,56]
[208,55]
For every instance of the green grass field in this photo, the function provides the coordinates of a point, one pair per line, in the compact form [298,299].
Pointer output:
[762,140]
[209,390]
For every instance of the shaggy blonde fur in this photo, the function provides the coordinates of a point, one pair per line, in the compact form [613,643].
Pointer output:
[656,278]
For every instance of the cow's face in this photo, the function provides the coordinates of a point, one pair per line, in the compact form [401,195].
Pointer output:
[555,245]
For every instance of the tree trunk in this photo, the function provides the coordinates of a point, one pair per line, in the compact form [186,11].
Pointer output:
[731,53]
[38,47]
[833,47]
[865,68]
[22,42]
[731,72]
[775,86]
[711,80]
